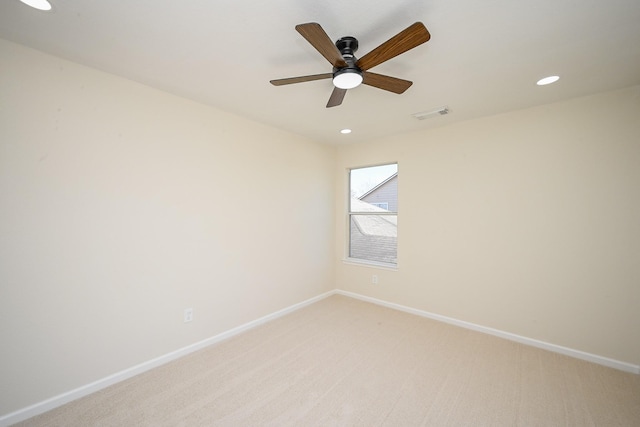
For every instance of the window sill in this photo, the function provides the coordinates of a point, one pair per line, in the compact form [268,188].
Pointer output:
[373,264]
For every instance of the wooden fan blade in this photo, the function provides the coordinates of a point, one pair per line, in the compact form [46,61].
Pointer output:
[392,84]
[301,79]
[407,39]
[336,97]
[315,35]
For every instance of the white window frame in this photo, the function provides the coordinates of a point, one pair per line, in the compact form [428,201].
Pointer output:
[349,213]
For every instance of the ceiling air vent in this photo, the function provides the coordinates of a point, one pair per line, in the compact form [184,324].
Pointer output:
[428,114]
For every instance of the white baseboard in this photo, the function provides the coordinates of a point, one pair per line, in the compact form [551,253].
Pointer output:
[56,401]
[601,360]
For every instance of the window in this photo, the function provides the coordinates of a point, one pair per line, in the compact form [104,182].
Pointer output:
[383,205]
[373,214]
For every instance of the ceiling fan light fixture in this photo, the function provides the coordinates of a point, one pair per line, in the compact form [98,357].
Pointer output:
[347,78]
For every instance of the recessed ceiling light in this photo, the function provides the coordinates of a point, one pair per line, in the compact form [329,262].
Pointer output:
[345,131]
[547,80]
[38,4]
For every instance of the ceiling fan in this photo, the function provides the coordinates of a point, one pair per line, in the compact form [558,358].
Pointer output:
[349,71]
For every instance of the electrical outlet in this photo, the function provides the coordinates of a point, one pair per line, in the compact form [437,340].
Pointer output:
[188,315]
[374,279]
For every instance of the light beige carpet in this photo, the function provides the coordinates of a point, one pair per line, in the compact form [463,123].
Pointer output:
[344,362]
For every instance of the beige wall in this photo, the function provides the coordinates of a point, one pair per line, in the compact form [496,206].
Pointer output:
[526,222]
[120,206]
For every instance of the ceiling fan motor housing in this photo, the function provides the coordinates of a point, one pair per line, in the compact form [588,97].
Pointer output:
[347,46]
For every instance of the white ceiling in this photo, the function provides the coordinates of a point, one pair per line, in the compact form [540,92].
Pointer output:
[483,58]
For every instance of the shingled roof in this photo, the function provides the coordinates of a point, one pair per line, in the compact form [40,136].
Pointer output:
[373,237]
